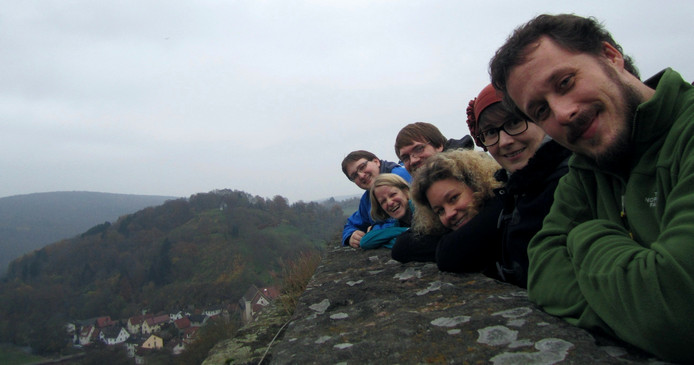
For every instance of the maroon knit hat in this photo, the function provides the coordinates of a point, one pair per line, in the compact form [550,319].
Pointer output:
[487,97]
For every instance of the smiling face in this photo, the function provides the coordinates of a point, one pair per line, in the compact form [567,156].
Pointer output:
[363,172]
[511,152]
[451,200]
[392,200]
[582,101]
[415,154]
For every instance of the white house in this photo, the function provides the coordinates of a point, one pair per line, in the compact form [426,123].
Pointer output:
[113,335]
[176,316]
[87,335]
[255,300]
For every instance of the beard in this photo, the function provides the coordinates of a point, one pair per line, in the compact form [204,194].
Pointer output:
[617,156]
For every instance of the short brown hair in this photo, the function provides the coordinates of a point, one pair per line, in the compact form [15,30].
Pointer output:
[356,156]
[419,132]
[569,31]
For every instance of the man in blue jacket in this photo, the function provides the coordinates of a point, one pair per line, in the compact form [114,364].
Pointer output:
[362,167]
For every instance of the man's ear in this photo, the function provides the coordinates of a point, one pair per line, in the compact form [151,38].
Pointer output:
[612,55]
[377,162]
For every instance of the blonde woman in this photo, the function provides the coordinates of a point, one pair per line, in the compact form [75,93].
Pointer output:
[391,208]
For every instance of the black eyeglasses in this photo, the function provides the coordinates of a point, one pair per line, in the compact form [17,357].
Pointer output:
[360,169]
[490,136]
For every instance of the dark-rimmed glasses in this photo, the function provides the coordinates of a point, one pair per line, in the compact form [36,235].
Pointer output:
[490,136]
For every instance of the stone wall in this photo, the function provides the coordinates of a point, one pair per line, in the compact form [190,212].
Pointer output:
[362,307]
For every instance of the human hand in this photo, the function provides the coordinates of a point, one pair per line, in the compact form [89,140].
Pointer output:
[355,238]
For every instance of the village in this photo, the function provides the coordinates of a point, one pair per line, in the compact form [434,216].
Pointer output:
[142,334]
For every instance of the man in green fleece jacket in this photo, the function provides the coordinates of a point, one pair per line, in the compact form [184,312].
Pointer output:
[616,251]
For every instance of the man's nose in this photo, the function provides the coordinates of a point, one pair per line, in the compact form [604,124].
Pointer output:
[414,160]
[564,110]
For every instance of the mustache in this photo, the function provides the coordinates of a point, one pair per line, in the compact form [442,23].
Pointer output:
[581,122]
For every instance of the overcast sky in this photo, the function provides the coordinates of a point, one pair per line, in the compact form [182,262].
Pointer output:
[181,97]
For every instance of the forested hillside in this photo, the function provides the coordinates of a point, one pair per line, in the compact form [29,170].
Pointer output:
[31,221]
[186,253]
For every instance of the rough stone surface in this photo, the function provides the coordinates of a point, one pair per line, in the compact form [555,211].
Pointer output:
[251,343]
[362,307]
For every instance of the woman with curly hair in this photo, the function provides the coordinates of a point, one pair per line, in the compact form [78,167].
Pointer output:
[448,192]
[451,190]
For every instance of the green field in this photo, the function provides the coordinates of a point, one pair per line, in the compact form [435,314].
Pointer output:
[13,355]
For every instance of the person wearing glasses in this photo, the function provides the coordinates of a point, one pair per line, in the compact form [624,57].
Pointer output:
[532,164]
[362,168]
[416,142]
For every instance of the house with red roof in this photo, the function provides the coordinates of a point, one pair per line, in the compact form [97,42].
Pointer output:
[255,300]
[154,324]
[182,324]
[189,334]
[134,324]
[102,322]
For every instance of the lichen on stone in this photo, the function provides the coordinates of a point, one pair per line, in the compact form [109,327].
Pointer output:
[551,351]
[433,286]
[450,321]
[322,339]
[514,312]
[516,323]
[496,335]
[342,346]
[321,307]
[409,273]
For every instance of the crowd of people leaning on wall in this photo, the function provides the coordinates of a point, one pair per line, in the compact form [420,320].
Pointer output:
[581,193]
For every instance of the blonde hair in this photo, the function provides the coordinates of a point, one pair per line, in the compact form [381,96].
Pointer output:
[473,168]
[377,213]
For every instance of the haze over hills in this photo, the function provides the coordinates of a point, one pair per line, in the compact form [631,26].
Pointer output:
[188,253]
[29,222]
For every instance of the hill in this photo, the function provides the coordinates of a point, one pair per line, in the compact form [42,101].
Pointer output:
[187,253]
[29,222]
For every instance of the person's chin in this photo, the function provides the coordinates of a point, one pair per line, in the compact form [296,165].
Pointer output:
[516,166]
